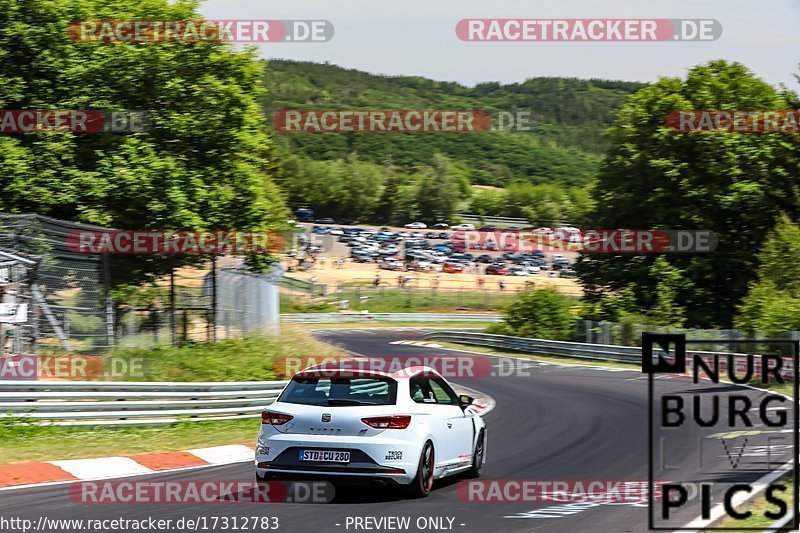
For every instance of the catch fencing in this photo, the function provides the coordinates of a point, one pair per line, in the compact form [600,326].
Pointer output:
[630,334]
[65,292]
[72,308]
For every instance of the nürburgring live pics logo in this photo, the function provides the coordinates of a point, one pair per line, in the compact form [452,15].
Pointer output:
[718,433]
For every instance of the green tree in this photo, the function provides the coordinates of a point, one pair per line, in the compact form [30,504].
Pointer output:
[439,188]
[733,184]
[202,165]
[386,206]
[772,304]
[666,311]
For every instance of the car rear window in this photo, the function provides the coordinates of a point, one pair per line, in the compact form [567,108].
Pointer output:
[340,392]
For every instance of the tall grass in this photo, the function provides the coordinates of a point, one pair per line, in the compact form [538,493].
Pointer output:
[247,359]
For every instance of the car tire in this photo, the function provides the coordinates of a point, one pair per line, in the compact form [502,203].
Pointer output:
[477,457]
[422,484]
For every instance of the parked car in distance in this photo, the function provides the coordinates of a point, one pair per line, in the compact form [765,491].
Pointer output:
[304,215]
[391,264]
[463,227]
[440,225]
[416,225]
[444,235]
[452,268]
[326,220]
[362,257]
[484,258]
[518,271]
[531,267]
[496,269]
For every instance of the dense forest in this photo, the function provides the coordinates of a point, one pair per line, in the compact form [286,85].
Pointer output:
[562,144]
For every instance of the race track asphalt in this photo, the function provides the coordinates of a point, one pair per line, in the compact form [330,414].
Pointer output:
[551,422]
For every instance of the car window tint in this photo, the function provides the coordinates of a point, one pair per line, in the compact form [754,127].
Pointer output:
[318,391]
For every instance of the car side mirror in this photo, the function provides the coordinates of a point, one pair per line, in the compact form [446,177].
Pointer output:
[465,401]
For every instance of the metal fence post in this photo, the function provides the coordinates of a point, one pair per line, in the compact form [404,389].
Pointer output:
[213,298]
[172,301]
[107,296]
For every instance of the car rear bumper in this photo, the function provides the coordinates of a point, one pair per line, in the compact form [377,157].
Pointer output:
[338,479]
[369,457]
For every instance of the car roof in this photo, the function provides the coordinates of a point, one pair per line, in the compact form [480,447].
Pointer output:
[343,369]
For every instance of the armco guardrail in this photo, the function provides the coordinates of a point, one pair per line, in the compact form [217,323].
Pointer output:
[599,352]
[319,318]
[73,403]
[595,352]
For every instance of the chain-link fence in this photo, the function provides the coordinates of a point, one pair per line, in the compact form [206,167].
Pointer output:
[205,303]
[246,302]
[71,306]
[68,305]
[630,333]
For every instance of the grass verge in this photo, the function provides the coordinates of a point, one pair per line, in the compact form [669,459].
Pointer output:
[248,359]
[20,443]
[757,520]
[385,300]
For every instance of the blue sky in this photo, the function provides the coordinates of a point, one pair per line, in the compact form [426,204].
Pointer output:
[417,37]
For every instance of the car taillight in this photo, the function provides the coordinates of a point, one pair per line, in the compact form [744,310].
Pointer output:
[276,419]
[388,422]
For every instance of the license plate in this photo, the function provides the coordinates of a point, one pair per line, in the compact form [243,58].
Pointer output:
[325,456]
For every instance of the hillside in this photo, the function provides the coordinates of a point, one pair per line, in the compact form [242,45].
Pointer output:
[564,145]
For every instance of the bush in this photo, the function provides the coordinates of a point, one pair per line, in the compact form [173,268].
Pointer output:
[500,328]
[541,313]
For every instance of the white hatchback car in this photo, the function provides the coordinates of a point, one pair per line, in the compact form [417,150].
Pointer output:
[351,425]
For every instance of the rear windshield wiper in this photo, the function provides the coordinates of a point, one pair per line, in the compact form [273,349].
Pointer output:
[339,401]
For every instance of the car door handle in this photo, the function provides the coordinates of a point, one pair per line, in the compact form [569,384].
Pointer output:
[449,425]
